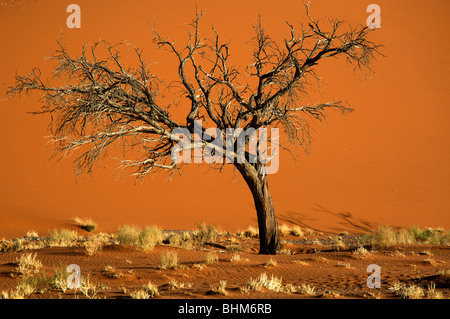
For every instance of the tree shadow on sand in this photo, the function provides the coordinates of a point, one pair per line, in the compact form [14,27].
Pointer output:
[346,219]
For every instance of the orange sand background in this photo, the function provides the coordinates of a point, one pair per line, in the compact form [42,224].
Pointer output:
[386,163]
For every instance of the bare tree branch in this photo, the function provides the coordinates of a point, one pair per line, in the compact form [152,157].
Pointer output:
[97,102]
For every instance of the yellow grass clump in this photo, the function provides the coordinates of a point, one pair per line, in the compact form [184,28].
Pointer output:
[146,238]
[63,237]
[169,259]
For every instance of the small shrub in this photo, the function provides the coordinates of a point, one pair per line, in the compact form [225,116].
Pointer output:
[28,265]
[407,292]
[432,293]
[386,236]
[205,233]
[235,257]
[139,294]
[93,245]
[221,288]
[211,258]
[89,288]
[251,232]
[32,234]
[150,237]
[284,230]
[169,259]
[128,235]
[337,243]
[430,235]
[360,253]
[63,237]
[296,231]
[174,239]
[59,280]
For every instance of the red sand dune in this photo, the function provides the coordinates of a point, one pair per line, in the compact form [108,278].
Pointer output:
[386,163]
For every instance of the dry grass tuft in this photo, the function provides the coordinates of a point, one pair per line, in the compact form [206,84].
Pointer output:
[431,293]
[264,281]
[211,258]
[148,291]
[86,224]
[64,237]
[221,288]
[235,257]
[251,232]
[297,231]
[336,243]
[28,265]
[429,235]
[286,230]
[306,289]
[89,288]
[407,292]
[146,238]
[169,259]
[59,280]
[386,236]
[270,263]
[205,233]
[343,264]
[360,253]
[151,289]
[32,234]
[94,243]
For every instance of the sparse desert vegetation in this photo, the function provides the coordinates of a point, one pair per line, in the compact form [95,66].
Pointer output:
[62,237]
[28,265]
[147,291]
[211,258]
[180,263]
[221,288]
[265,281]
[385,236]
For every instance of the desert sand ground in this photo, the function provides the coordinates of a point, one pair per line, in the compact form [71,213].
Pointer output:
[217,264]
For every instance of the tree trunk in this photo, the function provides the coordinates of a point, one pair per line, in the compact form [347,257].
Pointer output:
[269,239]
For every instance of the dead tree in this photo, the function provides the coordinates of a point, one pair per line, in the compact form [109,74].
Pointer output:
[97,103]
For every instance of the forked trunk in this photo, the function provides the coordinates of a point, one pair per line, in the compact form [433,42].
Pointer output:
[267,223]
